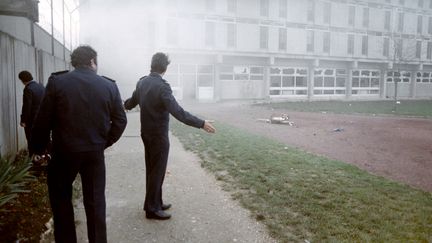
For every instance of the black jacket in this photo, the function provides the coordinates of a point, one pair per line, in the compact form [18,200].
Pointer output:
[82,109]
[154,96]
[32,97]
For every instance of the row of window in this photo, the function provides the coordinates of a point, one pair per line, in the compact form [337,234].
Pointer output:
[287,81]
[405,77]
[283,7]
[327,13]
[210,35]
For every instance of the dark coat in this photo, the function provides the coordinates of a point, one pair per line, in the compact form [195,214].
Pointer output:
[154,96]
[82,109]
[32,97]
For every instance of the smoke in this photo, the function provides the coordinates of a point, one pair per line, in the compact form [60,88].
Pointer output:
[124,35]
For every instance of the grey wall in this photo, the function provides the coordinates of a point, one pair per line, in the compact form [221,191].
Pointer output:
[17,54]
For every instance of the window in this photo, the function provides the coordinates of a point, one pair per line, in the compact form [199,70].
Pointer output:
[366,17]
[326,42]
[231,35]
[420,3]
[419,24]
[364,45]
[329,81]
[430,25]
[286,81]
[400,22]
[282,39]
[310,41]
[429,50]
[387,20]
[365,82]
[327,13]
[263,37]
[283,6]
[350,49]
[172,36]
[172,76]
[311,11]
[351,16]
[386,47]
[424,77]
[232,6]
[264,8]
[209,33]
[241,73]
[398,76]
[398,48]
[210,5]
[205,75]
[418,48]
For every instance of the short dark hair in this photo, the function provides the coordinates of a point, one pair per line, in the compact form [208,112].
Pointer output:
[82,56]
[159,62]
[25,76]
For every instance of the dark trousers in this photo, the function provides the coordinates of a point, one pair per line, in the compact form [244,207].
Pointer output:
[27,131]
[62,170]
[156,158]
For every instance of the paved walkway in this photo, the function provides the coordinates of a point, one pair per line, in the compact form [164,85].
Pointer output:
[201,211]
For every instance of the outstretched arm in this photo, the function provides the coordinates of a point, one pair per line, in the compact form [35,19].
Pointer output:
[180,114]
[130,103]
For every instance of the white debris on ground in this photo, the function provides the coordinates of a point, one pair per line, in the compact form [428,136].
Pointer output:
[278,119]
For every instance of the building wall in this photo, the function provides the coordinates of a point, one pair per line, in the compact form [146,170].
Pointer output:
[330,19]
[249,30]
[18,54]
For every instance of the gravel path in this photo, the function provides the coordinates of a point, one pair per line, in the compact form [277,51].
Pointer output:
[201,212]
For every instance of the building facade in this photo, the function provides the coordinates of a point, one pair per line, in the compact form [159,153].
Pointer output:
[291,49]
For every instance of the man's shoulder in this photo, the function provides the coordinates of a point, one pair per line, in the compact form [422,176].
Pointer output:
[58,74]
[109,79]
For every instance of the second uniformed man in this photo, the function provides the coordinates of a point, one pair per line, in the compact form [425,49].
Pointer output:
[85,114]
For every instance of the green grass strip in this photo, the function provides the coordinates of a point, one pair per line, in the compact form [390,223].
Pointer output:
[420,108]
[300,196]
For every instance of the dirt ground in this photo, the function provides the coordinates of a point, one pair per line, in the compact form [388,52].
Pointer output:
[392,147]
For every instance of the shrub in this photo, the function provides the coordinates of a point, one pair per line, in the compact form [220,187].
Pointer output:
[14,174]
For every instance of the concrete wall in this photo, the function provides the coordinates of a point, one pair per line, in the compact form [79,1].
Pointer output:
[18,54]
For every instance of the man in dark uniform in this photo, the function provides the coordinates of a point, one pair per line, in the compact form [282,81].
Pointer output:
[32,97]
[84,111]
[154,96]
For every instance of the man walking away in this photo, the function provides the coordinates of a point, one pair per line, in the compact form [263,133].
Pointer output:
[154,96]
[32,97]
[85,114]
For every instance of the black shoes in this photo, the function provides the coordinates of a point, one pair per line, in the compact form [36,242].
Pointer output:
[160,215]
[165,206]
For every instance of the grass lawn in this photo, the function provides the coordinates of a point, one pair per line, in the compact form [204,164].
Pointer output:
[300,196]
[422,108]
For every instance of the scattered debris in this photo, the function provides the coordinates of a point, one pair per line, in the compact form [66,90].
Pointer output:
[278,119]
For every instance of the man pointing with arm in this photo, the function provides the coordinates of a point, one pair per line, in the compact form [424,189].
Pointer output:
[154,96]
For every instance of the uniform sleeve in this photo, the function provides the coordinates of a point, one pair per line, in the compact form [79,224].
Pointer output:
[118,119]
[130,103]
[176,110]
[27,104]
[41,131]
